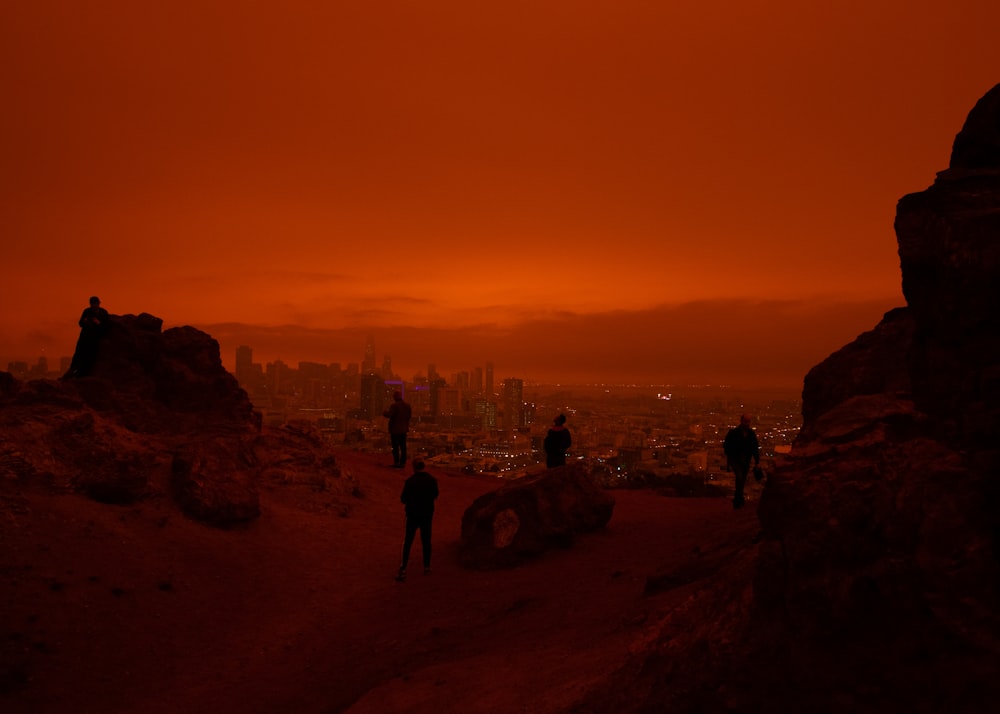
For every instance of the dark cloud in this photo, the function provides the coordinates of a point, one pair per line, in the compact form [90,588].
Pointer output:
[768,343]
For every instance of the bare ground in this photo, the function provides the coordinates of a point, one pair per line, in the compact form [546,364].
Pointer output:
[137,609]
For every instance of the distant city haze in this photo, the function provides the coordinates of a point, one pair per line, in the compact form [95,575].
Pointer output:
[768,344]
[586,191]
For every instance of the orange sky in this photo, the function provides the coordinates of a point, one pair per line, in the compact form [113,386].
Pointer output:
[571,189]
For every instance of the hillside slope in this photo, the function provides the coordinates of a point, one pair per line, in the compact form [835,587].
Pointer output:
[109,608]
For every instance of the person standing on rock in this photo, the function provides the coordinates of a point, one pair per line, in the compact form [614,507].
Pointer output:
[398,414]
[741,446]
[93,324]
[557,443]
[419,493]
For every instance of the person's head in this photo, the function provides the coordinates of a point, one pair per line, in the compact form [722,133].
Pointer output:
[745,421]
[560,420]
[418,465]
[397,396]
[95,301]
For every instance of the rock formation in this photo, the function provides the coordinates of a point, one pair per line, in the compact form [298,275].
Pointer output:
[159,415]
[876,585]
[525,517]
[887,509]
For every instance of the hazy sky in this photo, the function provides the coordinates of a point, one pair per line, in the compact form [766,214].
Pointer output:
[658,190]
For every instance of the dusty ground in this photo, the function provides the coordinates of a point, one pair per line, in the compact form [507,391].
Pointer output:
[137,609]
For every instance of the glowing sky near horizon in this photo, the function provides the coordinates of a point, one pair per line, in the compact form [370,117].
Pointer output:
[459,167]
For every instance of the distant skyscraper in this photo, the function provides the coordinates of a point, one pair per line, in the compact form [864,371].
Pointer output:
[477,380]
[368,363]
[489,379]
[280,378]
[486,410]
[435,387]
[513,403]
[41,367]
[244,362]
[373,396]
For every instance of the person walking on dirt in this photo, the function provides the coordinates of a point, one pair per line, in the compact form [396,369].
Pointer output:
[741,446]
[398,414]
[419,493]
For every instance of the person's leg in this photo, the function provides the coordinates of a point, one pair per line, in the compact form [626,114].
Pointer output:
[402,449]
[741,480]
[411,532]
[394,441]
[425,542]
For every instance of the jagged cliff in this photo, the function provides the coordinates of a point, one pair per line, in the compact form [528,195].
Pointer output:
[875,580]
[158,416]
[887,511]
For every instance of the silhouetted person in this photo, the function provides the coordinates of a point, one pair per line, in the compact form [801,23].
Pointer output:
[93,325]
[557,443]
[398,414]
[741,446]
[419,493]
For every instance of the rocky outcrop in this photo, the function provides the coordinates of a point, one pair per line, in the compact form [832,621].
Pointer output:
[888,505]
[876,584]
[526,517]
[881,528]
[157,416]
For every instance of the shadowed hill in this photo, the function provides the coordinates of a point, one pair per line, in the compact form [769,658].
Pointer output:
[876,584]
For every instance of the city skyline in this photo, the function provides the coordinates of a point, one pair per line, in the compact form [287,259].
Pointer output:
[591,190]
[740,354]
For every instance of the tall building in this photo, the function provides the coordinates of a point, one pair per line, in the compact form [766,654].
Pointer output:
[513,403]
[477,380]
[244,362]
[368,363]
[489,379]
[280,378]
[486,410]
[374,396]
[436,386]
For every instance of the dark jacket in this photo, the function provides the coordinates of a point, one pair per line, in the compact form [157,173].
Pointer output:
[94,319]
[740,446]
[419,493]
[398,414]
[556,444]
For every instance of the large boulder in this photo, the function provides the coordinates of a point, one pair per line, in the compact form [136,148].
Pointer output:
[526,517]
[157,415]
[215,481]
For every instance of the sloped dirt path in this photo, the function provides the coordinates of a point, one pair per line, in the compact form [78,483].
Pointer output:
[112,609]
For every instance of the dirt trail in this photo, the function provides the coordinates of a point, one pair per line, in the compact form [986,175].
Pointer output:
[112,609]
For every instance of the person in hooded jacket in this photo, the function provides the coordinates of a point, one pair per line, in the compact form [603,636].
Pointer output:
[93,324]
[557,443]
[741,447]
[419,493]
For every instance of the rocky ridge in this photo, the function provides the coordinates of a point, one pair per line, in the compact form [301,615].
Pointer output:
[158,417]
[876,580]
